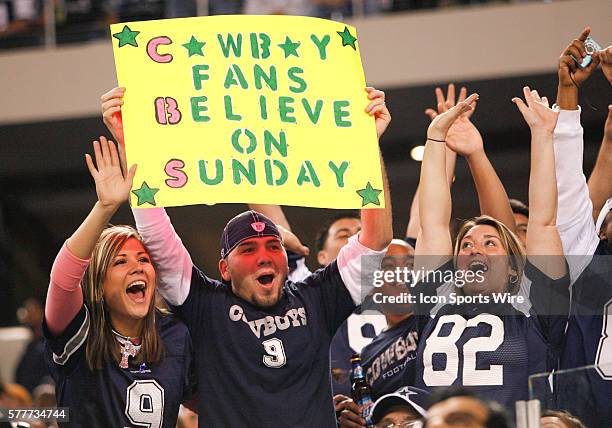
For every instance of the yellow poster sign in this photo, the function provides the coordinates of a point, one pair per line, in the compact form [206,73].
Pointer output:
[259,109]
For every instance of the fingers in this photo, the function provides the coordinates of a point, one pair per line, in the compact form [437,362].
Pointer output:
[122,158]
[521,105]
[98,154]
[528,96]
[374,93]
[105,151]
[431,113]
[117,92]
[439,96]
[90,165]
[349,414]
[605,56]
[339,398]
[450,95]
[114,156]
[577,47]
[131,174]
[462,94]
[585,33]
[375,105]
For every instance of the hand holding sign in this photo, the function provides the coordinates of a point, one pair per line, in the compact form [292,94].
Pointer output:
[247,109]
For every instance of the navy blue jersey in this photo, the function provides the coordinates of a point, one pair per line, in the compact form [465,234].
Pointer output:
[257,366]
[148,395]
[356,332]
[494,347]
[588,393]
[390,360]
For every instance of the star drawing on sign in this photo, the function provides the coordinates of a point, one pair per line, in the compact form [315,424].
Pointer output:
[369,195]
[127,37]
[194,47]
[289,47]
[347,38]
[146,194]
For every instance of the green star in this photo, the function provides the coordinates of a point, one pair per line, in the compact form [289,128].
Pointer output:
[369,195]
[194,47]
[289,47]
[126,37]
[347,38]
[145,194]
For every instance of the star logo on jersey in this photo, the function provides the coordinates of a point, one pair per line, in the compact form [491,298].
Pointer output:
[369,195]
[146,194]
[127,37]
[194,47]
[347,38]
[258,226]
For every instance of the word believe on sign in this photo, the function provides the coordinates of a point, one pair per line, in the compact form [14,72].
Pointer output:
[258,109]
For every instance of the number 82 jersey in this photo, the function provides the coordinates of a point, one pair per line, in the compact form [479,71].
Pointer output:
[493,347]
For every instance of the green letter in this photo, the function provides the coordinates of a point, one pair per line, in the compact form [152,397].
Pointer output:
[297,79]
[313,115]
[230,78]
[270,79]
[285,109]
[218,173]
[321,44]
[229,114]
[270,177]
[339,171]
[265,45]
[308,176]
[339,114]
[263,107]
[196,109]
[230,44]
[270,141]
[249,173]
[236,142]
[199,77]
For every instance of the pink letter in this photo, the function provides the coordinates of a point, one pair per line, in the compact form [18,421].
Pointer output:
[152,49]
[173,169]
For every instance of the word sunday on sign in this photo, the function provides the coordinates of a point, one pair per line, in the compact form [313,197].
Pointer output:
[258,109]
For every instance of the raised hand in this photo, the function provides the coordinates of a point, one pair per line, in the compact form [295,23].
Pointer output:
[569,73]
[537,113]
[605,57]
[111,112]
[112,187]
[292,242]
[442,122]
[378,109]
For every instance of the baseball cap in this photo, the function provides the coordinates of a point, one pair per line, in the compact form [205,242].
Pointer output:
[407,395]
[249,224]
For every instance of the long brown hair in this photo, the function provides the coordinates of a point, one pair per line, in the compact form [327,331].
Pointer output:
[102,345]
[509,241]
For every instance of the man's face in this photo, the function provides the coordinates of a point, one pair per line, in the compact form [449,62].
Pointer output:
[465,412]
[399,415]
[257,269]
[521,227]
[402,257]
[338,235]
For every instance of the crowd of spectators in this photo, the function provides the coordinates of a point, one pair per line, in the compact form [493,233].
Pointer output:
[23,22]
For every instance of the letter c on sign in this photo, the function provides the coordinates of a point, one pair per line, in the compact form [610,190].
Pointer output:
[152,49]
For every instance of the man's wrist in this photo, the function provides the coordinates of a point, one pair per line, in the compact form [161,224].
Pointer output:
[567,97]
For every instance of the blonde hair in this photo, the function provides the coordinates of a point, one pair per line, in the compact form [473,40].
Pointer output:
[509,241]
[102,344]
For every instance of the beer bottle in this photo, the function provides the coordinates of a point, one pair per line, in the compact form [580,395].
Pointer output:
[360,391]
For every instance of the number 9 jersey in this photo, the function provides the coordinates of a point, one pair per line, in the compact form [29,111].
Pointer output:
[148,395]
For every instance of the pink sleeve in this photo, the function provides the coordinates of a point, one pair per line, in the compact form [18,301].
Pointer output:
[65,296]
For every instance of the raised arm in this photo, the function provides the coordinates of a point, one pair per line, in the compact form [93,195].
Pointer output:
[574,207]
[464,139]
[65,298]
[376,223]
[542,235]
[172,260]
[600,181]
[434,193]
